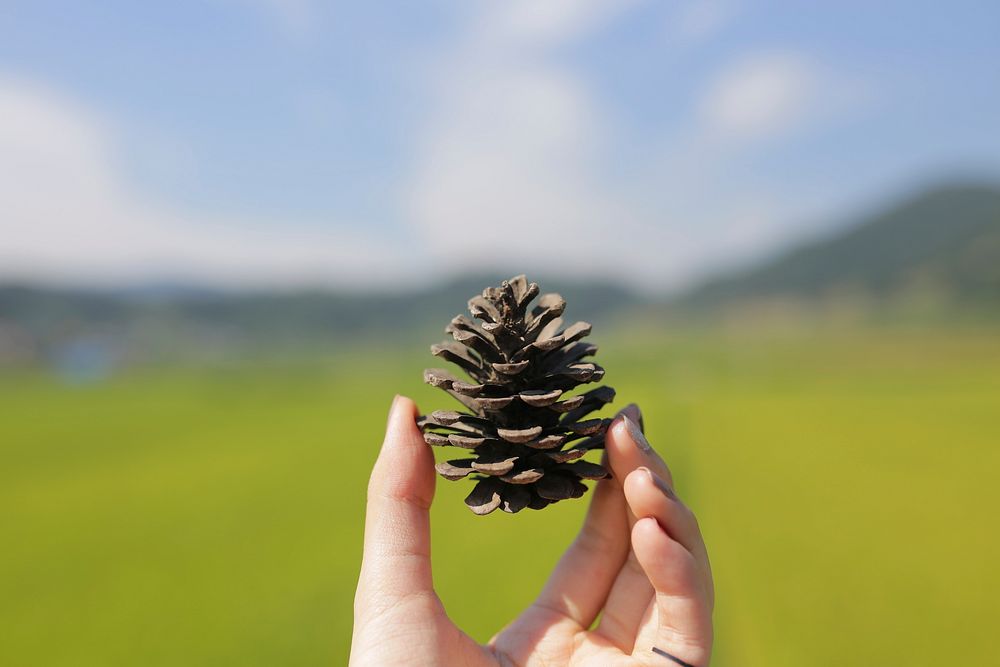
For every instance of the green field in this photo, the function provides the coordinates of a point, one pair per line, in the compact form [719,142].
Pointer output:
[846,484]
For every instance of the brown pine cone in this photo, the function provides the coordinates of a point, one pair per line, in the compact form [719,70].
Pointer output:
[525,432]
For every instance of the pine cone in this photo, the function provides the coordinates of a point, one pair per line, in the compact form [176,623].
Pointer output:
[524,429]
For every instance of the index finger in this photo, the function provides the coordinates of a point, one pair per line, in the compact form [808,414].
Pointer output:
[397,547]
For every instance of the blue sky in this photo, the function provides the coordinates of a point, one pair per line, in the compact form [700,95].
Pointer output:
[291,142]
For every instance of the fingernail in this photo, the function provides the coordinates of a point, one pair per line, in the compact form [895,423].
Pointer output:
[662,485]
[636,434]
[658,482]
[633,412]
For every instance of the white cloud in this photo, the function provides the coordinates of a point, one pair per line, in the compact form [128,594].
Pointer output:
[699,20]
[67,213]
[761,95]
[551,23]
[511,166]
[509,170]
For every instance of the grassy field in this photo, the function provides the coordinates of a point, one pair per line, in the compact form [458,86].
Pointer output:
[846,483]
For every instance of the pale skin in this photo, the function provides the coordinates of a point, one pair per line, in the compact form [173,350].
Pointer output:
[636,577]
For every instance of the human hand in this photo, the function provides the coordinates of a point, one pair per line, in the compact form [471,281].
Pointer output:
[639,562]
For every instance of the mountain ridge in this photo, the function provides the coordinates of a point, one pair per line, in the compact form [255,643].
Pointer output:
[945,238]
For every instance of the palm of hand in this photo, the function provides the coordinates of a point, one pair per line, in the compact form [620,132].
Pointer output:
[639,562]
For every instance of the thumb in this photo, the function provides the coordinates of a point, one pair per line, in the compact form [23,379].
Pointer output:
[397,560]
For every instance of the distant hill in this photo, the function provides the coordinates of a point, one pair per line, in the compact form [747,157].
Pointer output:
[943,243]
[297,313]
[143,324]
[938,253]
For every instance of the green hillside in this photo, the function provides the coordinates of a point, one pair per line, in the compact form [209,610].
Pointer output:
[943,242]
[155,324]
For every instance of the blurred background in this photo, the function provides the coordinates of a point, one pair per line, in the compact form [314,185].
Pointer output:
[230,229]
